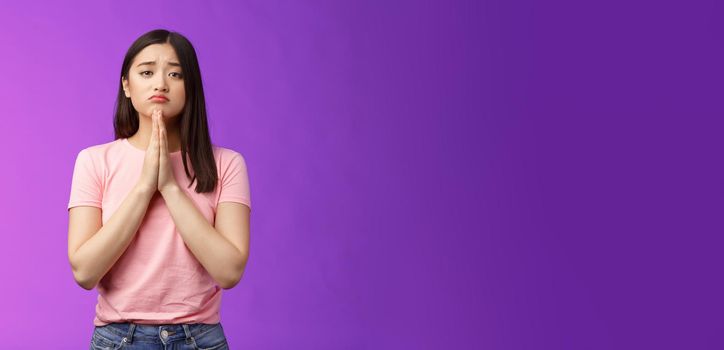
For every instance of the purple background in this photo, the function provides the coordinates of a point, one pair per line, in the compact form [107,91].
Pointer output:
[425,174]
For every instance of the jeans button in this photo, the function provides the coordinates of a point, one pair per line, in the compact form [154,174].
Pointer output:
[164,333]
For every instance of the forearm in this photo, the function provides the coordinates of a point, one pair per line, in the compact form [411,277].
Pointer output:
[97,255]
[224,262]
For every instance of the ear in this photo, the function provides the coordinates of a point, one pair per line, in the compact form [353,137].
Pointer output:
[124,82]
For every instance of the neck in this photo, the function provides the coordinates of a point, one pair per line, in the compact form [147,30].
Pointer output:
[142,137]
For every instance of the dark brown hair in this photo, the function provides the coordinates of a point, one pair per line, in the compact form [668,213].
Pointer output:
[194,131]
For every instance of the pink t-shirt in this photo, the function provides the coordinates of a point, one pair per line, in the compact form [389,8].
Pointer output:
[157,280]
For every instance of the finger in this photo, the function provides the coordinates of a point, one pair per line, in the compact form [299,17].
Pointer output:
[158,125]
[162,131]
[154,128]
[154,132]
[159,120]
[157,135]
[164,143]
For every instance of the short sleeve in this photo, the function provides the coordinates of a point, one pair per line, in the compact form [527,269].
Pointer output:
[85,189]
[234,180]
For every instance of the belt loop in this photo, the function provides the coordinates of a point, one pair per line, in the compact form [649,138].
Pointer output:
[129,337]
[189,338]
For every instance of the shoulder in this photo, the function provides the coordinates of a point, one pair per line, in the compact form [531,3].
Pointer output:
[226,155]
[230,163]
[99,150]
[98,153]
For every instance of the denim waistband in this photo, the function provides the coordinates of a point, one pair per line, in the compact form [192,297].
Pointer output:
[153,333]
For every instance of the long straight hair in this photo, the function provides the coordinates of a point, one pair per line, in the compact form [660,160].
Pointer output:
[194,131]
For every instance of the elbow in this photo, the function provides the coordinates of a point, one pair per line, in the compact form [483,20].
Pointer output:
[85,283]
[87,286]
[231,280]
[83,280]
[228,284]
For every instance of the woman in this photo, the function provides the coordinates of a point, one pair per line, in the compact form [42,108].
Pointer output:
[158,249]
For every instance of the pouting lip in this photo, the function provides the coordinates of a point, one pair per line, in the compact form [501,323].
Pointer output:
[159,96]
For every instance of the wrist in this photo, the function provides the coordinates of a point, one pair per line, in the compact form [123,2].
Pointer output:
[144,190]
[170,188]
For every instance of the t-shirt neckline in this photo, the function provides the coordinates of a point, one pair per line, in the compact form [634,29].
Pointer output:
[138,150]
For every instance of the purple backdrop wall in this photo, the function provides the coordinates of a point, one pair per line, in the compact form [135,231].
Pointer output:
[426,174]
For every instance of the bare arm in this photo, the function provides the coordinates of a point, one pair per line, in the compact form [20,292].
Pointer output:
[222,250]
[93,248]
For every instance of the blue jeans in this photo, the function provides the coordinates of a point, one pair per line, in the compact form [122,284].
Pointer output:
[131,336]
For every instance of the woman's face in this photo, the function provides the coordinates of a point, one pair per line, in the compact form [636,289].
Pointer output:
[156,71]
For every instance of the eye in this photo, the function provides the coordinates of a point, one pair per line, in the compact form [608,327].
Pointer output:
[178,75]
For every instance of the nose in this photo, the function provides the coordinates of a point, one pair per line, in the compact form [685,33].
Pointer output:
[161,85]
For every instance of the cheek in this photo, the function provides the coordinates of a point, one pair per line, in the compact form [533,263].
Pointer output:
[136,89]
[180,100]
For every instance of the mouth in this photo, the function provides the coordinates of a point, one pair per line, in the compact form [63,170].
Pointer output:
[159,99]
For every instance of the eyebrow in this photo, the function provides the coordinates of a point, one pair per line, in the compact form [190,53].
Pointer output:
[150,63]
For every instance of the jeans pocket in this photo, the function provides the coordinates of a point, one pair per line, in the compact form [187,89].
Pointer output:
[211,339]
[104,342]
